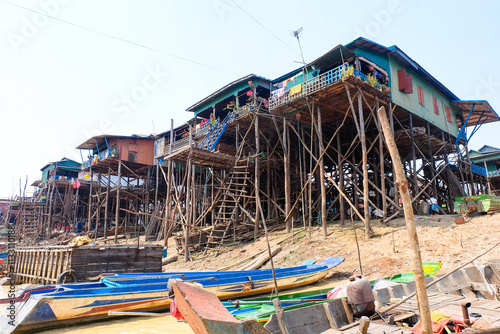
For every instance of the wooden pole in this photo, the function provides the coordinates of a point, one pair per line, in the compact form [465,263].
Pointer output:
[431,155]
[268,185]
[106,208]
[319,132]
[340,172]
[423,302]
[89,222]
[168,199]
[396,190]
[257,185]
[117,211]
[188,200]
[413,157]
[382,176]
[311,171]
[362,137]
[286,161]
[98,216]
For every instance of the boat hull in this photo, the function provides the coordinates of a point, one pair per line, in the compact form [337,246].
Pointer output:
[60,308]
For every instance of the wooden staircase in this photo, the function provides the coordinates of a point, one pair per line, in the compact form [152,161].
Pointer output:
[233,192]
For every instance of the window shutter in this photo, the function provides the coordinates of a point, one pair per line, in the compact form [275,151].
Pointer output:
[436,107]
[409,85]
[448,113]
[420,92]
[402,80]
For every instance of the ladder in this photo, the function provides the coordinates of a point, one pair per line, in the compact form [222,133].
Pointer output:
[228,210]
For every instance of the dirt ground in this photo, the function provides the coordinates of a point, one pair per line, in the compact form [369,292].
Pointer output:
[386,253]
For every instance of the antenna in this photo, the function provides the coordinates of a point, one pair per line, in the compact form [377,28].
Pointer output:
[152,121]
[296,33]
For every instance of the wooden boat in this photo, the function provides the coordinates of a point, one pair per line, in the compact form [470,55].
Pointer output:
[205,314]
[60,305]
[430,270]
[480,203]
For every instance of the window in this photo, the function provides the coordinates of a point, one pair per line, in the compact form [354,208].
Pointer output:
[436,106]
[132,156]
[420,92]
[448,113]
[405,84]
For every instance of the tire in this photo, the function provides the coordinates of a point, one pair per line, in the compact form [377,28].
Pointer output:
[68,273]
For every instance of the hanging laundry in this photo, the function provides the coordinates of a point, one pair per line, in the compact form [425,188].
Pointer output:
[296,90]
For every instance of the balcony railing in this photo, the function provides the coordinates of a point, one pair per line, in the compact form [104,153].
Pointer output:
[494,173]
[282,96]
[207,127]
[109,153]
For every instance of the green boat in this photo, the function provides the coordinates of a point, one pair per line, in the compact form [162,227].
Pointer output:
[480,203]
[430,269]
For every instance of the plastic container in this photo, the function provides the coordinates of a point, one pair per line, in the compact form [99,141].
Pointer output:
[424,208]
[360,296]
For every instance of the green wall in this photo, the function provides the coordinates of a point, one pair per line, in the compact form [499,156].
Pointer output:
[410,101]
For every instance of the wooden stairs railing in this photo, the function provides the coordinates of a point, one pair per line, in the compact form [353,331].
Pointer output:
[213,136]
[233,191]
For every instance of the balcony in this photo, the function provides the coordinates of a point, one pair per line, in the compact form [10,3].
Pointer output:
[109,153]
[283,96]
[201,132]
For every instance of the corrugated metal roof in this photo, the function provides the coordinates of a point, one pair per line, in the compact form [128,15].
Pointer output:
[91,142]
[482,112]
[224,89]
[396,52]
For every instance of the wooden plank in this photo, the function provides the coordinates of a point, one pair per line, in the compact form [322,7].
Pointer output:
[115,259]
[347,310]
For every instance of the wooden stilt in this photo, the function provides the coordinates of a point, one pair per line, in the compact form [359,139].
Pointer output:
[98,216]
[89,220]
[257,185]
[413,157]
[431,155]
[106,208]
[286,162]
[382,176]
[340,173]
[117,211]
[362,138]
[321,148]
[268,185]
[189,200]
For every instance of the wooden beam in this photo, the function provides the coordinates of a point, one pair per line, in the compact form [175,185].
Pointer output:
[423,301]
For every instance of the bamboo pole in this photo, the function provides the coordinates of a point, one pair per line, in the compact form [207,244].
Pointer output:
[364,160]
[423,302]
[117,211]
[340,172]
[319,132]
[257,193]
[286,158]
[106,208]
[188,199]
[90,200]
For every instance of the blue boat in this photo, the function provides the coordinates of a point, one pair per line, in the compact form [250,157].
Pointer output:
[63,304]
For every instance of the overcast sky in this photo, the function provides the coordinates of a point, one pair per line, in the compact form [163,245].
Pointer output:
[128,67]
